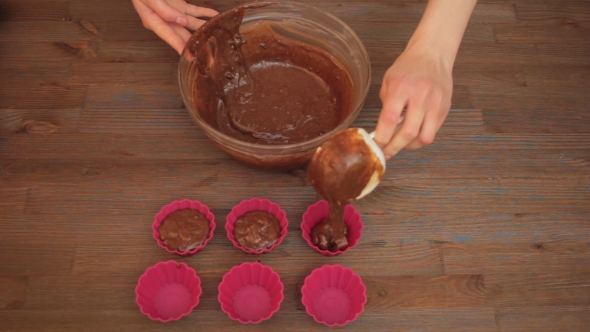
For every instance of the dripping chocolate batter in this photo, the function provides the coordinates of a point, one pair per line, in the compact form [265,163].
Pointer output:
[339,171]
[257,86]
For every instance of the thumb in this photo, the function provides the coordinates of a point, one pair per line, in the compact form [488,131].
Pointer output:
[167,12]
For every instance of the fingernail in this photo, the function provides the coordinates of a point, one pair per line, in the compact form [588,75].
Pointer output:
[181,20]
[387,157]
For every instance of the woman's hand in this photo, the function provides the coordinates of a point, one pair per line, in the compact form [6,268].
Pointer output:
[421,82]
[171,20]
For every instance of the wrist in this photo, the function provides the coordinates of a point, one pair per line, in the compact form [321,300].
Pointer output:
[433,49]
[441,29]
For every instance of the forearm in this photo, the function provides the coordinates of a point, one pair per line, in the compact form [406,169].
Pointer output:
[442,27]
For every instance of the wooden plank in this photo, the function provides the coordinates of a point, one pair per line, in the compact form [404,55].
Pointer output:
[134,96]
[70,51]
[138,121]
[137,52]
[382,320]
[505,76]
[493,13]
[482,196]
[123,74]
[558,76]
[465,227]
[480,57]
[560,121]
[523,289]
[575,10]
[55,199]
[103,10]
[541,257]
[12,292]
[13,199]
[48,258]
[129,30]
[41,121]
[541,155]
[555,318]
[47,31]
[558,31]
[428,319]
[568,166]
[85,293]
[417,292]
[34,11]
[39,86]
[412,259]
[110,148]
[568,54]
[529,97]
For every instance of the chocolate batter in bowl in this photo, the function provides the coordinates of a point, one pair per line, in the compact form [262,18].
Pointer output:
[271,93]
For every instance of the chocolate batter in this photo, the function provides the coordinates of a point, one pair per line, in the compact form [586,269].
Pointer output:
[257,230]
[322,235]
[260,87]
[184,229]
[339,171]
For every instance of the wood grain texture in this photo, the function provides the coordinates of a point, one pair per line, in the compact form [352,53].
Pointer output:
[487,229]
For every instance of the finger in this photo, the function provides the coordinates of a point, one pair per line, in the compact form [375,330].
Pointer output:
[195,11]
[181,32]
[167,12]
[409,130]
[428,131]
[445,109]
[194,23]
[394,103]
[167,33]
[144,12]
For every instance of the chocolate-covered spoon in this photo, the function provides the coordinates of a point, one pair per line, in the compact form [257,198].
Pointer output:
[346,167]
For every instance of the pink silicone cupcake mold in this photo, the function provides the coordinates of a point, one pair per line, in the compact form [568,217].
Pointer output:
[256,204]
[321,210]
[168,291]
[250,293]
[334,295]
[179,205]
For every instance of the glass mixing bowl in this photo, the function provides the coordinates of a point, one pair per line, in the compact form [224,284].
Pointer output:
[302,23]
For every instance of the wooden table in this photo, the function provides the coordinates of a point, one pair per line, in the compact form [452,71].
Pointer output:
[488,229]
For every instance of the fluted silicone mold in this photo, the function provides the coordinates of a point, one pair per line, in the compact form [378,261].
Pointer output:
[250,293]
[168,291]
[179,205]
[321,210]
[334,295]
[256,204]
